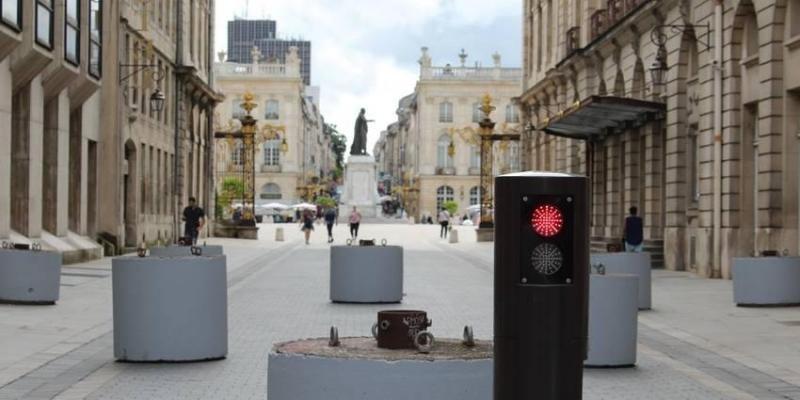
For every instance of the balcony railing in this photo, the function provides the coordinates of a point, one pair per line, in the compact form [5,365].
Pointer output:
[476,74]
[615,11]
[599,23]
[270,168]
[445,171]
[573,39]
[234,69]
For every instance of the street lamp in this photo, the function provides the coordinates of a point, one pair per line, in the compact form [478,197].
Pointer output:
[659,69]
[284,146]
[157,100]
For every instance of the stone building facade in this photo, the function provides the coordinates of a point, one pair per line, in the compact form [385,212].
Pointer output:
[154,161]
[415,154]
[709,157]
[287,120]
[50,78]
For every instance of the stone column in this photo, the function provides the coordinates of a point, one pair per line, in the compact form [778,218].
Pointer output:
[26,168]
[770,155]
[55,165]
[5,149]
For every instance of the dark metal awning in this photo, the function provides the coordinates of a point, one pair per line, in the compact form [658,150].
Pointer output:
[599,116]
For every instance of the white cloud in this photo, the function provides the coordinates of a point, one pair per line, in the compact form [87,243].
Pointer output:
[355,45]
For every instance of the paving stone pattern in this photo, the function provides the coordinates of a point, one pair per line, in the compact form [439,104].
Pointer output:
[280,293]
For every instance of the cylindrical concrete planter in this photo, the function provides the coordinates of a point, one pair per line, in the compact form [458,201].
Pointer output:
[29,277]
[630,263]
[766,281]
[358,370]
[613,317]
[170,309]
[366,274]
[185,251]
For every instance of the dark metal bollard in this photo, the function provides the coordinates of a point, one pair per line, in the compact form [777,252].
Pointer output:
[541,286]
[398,329]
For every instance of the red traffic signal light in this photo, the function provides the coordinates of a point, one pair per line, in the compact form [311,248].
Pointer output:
[547,220]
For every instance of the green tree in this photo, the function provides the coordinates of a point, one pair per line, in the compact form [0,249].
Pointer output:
[450,206]
[339,144]
[231,189]
[326,202]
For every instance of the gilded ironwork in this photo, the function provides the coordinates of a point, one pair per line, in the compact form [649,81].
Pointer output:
[242,164]
[488,137]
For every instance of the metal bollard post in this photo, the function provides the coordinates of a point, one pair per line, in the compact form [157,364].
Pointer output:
[541,286]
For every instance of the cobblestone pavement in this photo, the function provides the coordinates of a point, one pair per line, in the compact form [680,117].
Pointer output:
[694,345]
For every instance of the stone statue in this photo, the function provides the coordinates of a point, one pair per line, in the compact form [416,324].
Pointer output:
[359,146]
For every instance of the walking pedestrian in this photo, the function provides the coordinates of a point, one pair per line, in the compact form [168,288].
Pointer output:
[308,224]
[444,221]
[355,221]
[633,236]
[194,218]
[330,219]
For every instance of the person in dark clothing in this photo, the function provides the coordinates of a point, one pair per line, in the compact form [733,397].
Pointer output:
[634,231]
[330,219]
[307,224]
[194,218]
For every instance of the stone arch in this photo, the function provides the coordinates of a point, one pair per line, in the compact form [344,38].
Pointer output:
[271,191]
[444,194]
[744,82]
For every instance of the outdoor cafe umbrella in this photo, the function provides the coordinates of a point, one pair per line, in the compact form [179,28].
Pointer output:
[274,206]
[305,206]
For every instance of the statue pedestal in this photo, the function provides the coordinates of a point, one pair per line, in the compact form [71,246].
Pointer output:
[360,188]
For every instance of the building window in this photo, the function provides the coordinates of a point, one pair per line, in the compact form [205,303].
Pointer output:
[444,194]
[11,12]
[794,18]
[477,114]
[237,111]
[443,160]
[474,156]
[272,153]
[475,196]
[271,191]
[95,38]
[72,32]
[513,156]
[693,163]
[512,114]
[446,112]
[237,155]
[44,23]
[273,110]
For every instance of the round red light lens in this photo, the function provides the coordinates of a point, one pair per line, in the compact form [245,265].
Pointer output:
[547,220]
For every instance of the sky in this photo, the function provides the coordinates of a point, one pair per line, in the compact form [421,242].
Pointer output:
[365,53]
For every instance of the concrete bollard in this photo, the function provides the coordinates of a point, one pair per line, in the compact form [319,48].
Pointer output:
[454,236]
[356,369]
[185,251]
[630,263]
[613,318]
[366,274]
[170,309]
[278,234]
[766,281]
[29,277]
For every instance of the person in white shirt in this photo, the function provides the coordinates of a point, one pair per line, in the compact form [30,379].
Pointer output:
[444,221]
